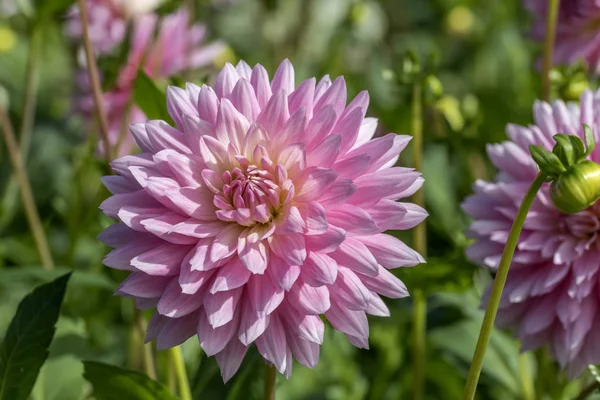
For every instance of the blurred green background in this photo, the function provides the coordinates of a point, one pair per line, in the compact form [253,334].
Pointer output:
[478,50]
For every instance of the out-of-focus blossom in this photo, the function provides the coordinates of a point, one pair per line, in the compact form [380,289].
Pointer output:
[552,296]
[577,31]
[260,211]
[177,47]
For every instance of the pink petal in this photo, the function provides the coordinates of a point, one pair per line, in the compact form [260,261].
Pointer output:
[230,276]
[264,296]
[260,82]
[176,331]
[326,152]
[282,274]
[214,340]
[252,324]
[308,299]
[303,96]
[351,322]
[230,358]
[178,104]
[353,254]
[348,291]
[272,344]
[226,81]
[221,307]
[391,252]
[244,99]
[291,248]
[163,260]
[284,78]
[208,104]
[386,284]
[275,114]
[175,304]
[319,269]
[353,220]
[138,284]
[326,242]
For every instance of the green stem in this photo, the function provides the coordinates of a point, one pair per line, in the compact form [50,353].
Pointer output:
[551,18]
[420,245]
[31,211]
[270,379]
[497,287]
[147,355]
[527,385]
[587,391]
[182,378]
[92,69]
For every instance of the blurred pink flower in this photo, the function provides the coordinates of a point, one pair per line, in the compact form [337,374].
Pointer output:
[177,47]
[263,209]
[577,34]
[552,293]
[107,25]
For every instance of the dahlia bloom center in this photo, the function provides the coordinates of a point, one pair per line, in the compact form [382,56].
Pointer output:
[249,194]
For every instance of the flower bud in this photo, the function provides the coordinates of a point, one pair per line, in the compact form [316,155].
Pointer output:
[577,188]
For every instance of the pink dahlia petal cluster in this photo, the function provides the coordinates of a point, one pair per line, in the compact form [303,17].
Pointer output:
[262,210]
[577,35]
[176,47]
[107,25]
[552,295]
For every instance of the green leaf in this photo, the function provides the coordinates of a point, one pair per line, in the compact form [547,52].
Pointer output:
[113,383]
[29,335]
[150,98]
[589,140]
[548,162]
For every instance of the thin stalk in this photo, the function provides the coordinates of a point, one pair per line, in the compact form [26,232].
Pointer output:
[147,355]
[270,379]
[420,245]
[497,287]
[31,87]
[31,211]
[92,69]
[527,385]
[182,378]
[587,391]
[551,18]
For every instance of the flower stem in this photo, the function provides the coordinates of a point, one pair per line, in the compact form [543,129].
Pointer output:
[270,379]
[31,212]
[551,18]
[420,244]
[29,104]
[92,69]
[527,385]
[497,287]
[182,378]
[587,391]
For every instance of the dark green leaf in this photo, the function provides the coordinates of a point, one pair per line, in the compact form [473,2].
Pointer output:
[150,98]
[29,335]
[113,383]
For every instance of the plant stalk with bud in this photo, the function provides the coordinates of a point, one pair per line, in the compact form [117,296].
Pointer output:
[574,187]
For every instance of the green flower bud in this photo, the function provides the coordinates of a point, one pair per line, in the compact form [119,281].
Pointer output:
[577,188]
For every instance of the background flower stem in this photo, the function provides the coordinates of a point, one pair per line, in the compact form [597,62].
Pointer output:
[527,385]
[587,391]
[420,244]
[551,18]
[147,356]
[497,287]
[31,212]
[270,379]
[180,372]
[92,69]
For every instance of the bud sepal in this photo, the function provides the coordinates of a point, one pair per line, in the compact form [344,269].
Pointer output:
[575,181]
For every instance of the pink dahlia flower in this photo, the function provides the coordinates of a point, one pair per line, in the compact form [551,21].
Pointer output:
[263,209]
[553,289]
[577,34]
[177,47]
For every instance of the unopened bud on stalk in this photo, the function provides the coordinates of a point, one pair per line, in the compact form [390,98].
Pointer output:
[575,180]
